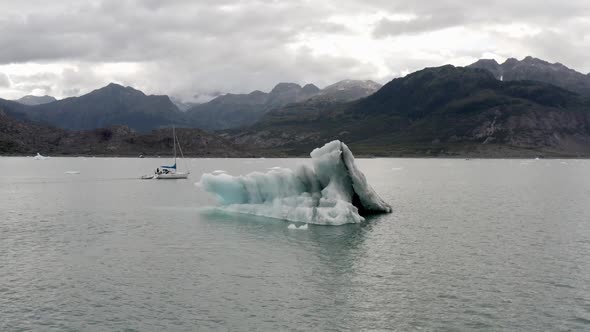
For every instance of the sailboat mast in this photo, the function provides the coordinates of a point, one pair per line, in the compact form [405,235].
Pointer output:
[174,139]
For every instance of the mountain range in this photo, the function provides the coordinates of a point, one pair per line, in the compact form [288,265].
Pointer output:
[240,110]
[118,105]
[437,111]
[518,108]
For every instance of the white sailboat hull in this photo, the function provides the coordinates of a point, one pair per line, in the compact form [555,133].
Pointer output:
[171,176]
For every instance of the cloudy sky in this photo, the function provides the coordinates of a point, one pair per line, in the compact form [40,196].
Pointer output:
[196,48]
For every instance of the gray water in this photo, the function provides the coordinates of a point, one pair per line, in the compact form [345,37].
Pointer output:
[471,245]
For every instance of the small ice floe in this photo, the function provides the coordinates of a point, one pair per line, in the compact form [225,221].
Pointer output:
[301,228]
[219,171]
[397,168]
[71,172]
[276,168]
[39,157]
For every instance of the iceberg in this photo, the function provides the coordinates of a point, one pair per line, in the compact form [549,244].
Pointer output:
[330,191]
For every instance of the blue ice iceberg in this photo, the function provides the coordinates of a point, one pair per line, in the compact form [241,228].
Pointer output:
[332,191]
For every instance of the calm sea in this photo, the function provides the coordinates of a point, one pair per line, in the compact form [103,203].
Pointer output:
[471,245]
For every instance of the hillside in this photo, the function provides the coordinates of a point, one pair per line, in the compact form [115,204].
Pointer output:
[18,137]
[26,138]
[437,111]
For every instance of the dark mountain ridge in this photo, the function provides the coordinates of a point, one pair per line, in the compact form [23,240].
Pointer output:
[534,69]
[241,110]
[35,100]
[237,110]
[104,107]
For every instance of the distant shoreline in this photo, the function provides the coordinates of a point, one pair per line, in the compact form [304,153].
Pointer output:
[360,156]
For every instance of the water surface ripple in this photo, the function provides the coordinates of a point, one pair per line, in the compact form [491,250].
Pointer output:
[471,245]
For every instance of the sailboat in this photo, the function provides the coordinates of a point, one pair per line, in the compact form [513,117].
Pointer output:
[169,172]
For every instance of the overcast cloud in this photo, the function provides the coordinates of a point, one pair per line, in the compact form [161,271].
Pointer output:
[189,48]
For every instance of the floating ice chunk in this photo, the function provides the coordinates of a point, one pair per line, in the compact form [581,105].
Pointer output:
[332,191]
[39,157]
[219,171]
[72,172]
[301,228]
[275,168]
